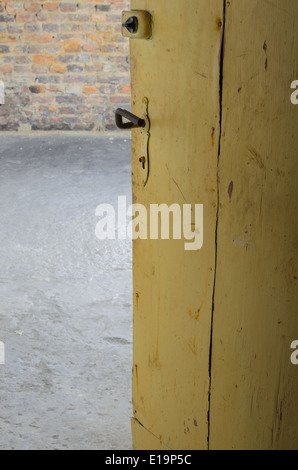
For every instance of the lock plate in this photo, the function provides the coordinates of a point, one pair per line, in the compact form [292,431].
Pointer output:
[142,21]
[144,166]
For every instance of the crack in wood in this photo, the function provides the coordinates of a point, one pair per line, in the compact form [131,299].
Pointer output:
[221,55]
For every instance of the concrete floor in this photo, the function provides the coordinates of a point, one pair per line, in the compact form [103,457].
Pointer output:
[65,296]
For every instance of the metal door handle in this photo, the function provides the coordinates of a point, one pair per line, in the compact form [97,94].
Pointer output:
[134,121]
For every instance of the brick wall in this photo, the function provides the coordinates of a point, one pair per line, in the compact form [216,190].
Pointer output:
[64,64]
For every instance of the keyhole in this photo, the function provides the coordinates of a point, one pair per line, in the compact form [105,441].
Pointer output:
[143,161]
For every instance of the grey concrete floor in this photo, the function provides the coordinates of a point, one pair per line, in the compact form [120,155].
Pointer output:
[65,296]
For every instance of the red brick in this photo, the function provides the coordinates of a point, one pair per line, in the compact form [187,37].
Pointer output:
[58,68]
[14,7]
[89,90]
[43,60]
[68,7]
[25,17]
[72,47]
[37,89]
[6,68]
[51,6]
[32,7]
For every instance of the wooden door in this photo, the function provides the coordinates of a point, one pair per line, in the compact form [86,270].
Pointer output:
[213,327]
[178,71]
[254,396]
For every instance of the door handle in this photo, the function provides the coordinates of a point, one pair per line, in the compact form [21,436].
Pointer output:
[134,121]
[142,136]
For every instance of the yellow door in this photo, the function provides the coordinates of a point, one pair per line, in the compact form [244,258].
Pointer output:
[254,396]
[178,71]
[213,327]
